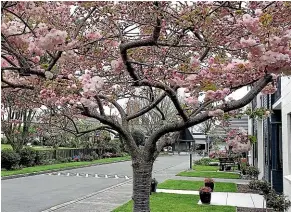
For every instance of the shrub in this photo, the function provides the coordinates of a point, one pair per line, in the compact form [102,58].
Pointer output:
[276,201]
[113,146]
[9,159]
[40,157]
[252,172]
[203,161]
[87,158]
[107,155]
[28,156]
[64,160]
[138,137]
[94,155]
[260,185]
[50,162]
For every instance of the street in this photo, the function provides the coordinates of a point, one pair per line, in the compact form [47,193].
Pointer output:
[65,191]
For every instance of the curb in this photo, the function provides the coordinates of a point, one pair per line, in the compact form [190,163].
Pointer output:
[56,170]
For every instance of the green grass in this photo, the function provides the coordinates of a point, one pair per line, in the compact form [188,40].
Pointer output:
[205,168]
[161,202]
[196,185]
[55,167]
[8,146]
[209,174]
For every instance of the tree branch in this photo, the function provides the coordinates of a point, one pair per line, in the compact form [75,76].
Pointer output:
[147,108]
[204,116]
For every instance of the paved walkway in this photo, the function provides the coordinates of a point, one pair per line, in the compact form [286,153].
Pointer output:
[238,181]
[226,198]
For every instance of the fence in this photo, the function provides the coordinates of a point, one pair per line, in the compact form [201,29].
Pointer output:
[70,153]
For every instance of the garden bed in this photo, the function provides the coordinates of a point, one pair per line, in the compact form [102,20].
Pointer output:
[253,210]
[242,188]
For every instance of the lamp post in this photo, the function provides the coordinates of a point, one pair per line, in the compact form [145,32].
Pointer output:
[208,144]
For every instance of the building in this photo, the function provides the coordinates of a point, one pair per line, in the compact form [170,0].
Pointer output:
[272,151]
[204,141]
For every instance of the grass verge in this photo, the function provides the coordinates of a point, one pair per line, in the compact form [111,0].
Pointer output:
[209,174]
[162,202]
[55,167]
[196,185]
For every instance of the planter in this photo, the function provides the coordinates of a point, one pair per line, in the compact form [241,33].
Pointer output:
[210,185]
[205,197]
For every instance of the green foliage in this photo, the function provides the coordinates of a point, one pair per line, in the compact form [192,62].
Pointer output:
[276,201]
[253,139]
[252,172]
[256,113]
[40,157]
[4,140]
[139,137]
[204,161]
[9,159]
[94,155]
[260,185]
[28,156]
[51,165]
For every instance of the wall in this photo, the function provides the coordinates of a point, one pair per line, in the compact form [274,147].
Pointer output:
[286,134]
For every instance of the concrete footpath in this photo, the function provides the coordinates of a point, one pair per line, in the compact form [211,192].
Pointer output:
[226,198]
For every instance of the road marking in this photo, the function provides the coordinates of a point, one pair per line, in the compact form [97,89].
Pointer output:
[54,208]
[77,175]
[87,175]
[68,174]
[116,176]
[106,176]
[96,175]
[59,174]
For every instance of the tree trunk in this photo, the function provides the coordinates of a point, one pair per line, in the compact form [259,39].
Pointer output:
[142,175]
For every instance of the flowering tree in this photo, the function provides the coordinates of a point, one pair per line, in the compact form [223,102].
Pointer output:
[238,141]
[17,117]
[86,56]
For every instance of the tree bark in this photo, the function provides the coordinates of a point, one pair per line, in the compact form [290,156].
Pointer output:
[142,175]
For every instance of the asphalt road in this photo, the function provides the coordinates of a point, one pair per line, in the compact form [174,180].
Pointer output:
[41,192]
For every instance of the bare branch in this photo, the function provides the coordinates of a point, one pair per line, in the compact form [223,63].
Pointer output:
[147,108]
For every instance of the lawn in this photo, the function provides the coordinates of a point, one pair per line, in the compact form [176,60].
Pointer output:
[205,168]
[55,167]
[195,185]
[8,146]
[161,202]
[226,175]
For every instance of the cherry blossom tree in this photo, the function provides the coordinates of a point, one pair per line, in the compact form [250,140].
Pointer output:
[87,56]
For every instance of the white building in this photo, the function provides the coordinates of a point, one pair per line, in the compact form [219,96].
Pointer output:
[272,151]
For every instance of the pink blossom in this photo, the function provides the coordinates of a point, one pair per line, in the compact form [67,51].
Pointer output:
[192,100]
[194,61]
[117,65]
[258,12]
[94,36]
[35,59]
